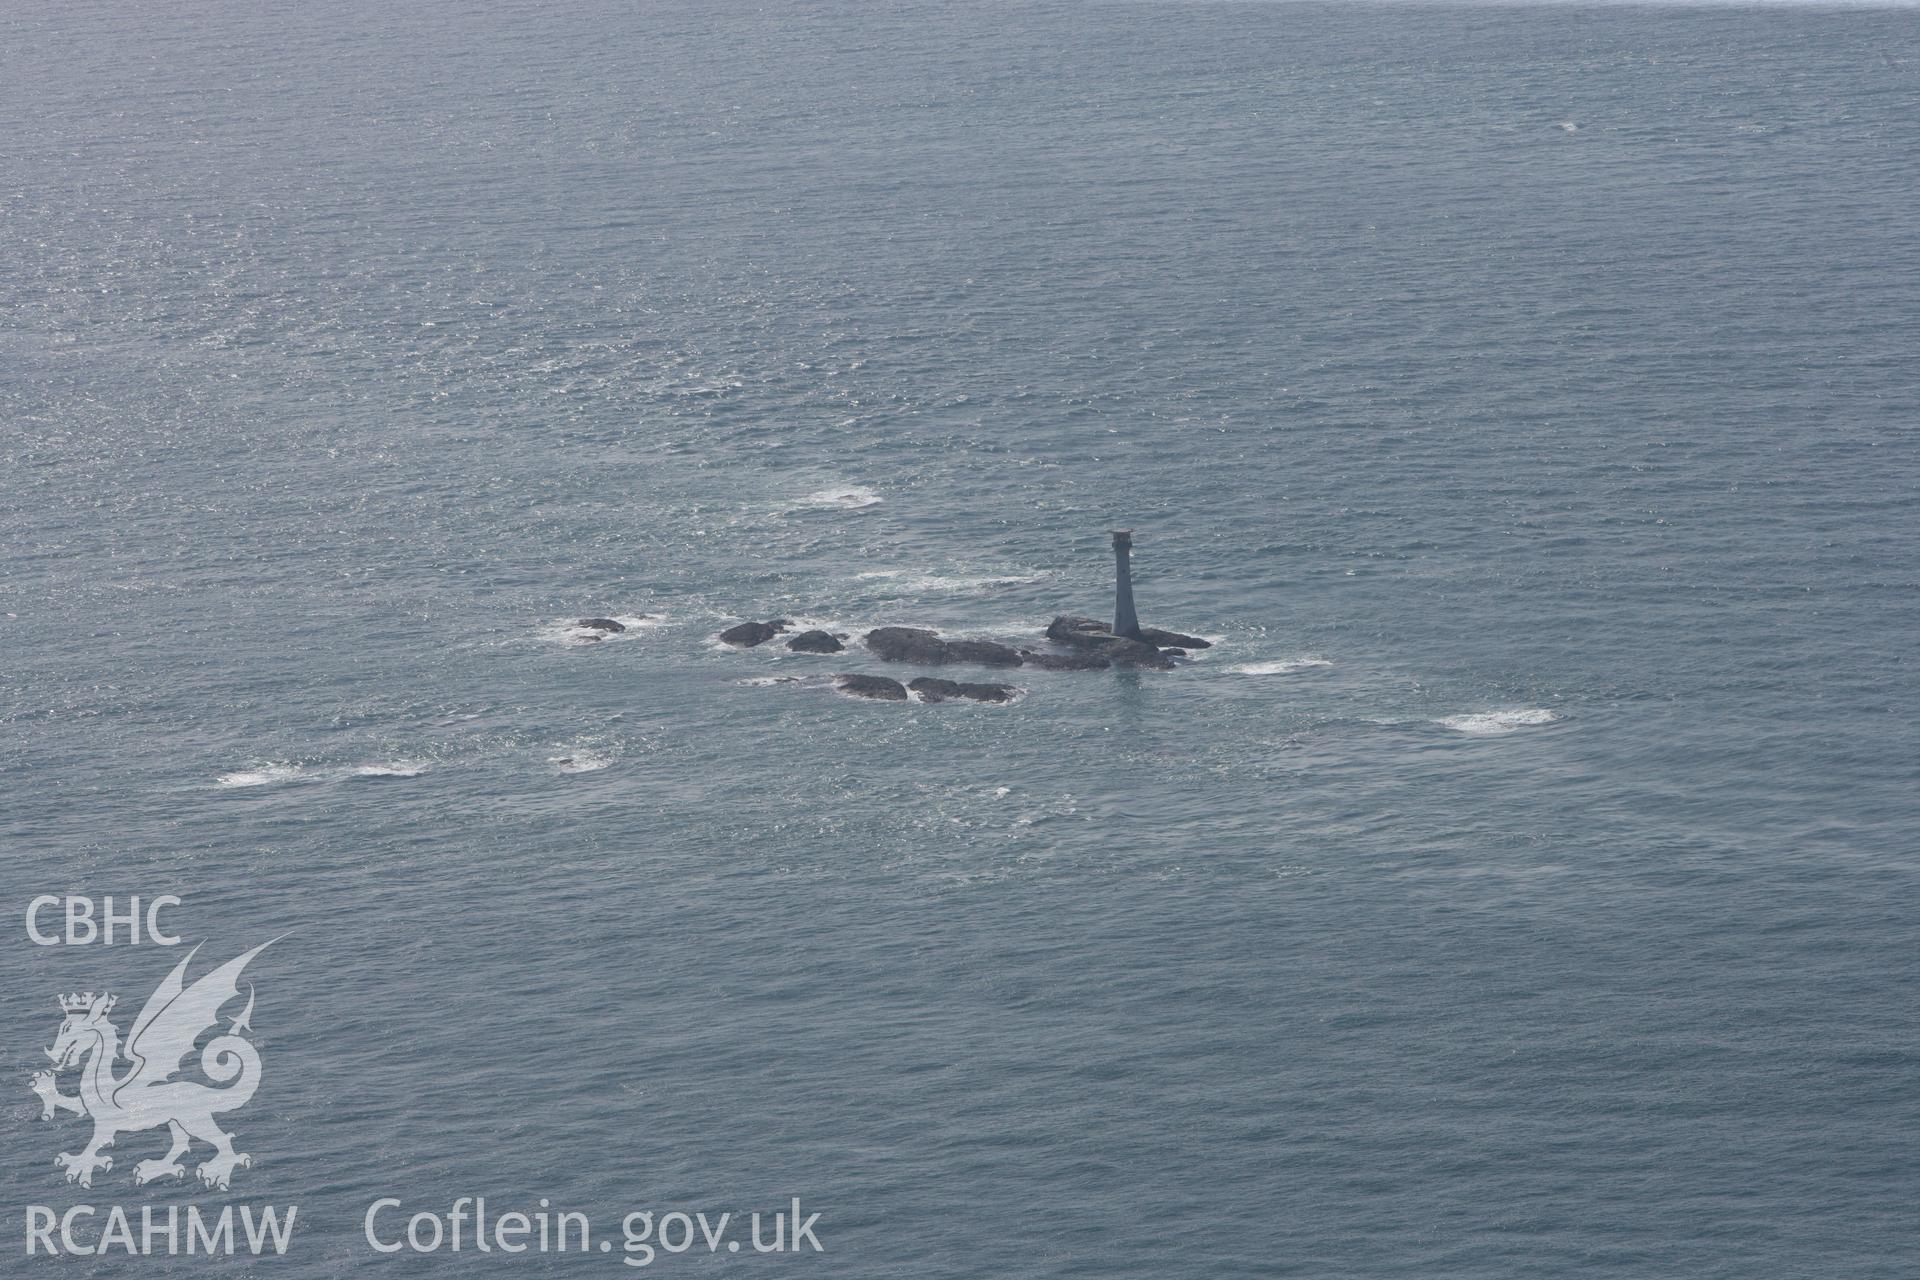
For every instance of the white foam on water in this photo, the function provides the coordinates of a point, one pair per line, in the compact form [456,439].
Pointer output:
[845,632]
[1015,693]
[580,762]
[568,631]
[922,580]
[1497,722]
[391,769]
[1279,667]
[844,692]
[264,776]
[847,497]
[773,647]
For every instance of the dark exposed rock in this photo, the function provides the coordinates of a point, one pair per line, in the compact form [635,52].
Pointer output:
[749,634]
[1173,639]
[1088,633]
[1134,653]
[815,642]
[907,644]
[1173,653]
[916,644]
[1086,661]
[601,624]
[931,689]
[1095,648]
[984,652]
[1079,633]
[873,687]
[1096,637]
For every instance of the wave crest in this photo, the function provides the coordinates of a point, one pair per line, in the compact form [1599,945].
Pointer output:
[265,776]
[1496,722]
[1279,667]
[390,769]
[847,497]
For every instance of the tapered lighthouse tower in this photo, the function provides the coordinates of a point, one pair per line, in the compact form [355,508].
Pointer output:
[1125,622]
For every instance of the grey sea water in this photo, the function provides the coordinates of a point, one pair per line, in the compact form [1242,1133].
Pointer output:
[1524,397]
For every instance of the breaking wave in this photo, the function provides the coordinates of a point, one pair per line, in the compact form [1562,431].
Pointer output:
[390,769]
[1280,667]
[264,776]
[849,497]
[918,580]
[568,631]
[1015,694]
[1496,722]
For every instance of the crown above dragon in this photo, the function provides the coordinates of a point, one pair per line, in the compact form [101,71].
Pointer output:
[78,1003]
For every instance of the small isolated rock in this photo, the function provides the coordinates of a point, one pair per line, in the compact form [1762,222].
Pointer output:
[815,642]
[601,624]
[749,634]
[935,690]
[873,687]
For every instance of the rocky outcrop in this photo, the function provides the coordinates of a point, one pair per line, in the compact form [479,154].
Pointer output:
[1087,633]
[932,689]
[983,652]
[1077,632]
[1090,636]
[815,642]
[879,687]
[907,644]
[749,634]
[1133,653]
[929,689]
[1085,661]
[916,644]
[1172,639]
[1091,646]
[601,624]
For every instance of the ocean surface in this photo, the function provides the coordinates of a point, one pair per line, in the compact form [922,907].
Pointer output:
[1523,397]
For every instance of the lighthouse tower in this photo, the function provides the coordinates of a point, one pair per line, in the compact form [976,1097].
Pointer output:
[1125,622]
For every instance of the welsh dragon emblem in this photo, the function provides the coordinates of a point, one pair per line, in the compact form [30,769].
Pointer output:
[149,1093]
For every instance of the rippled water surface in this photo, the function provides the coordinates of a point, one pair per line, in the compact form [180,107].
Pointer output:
[1524,399]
